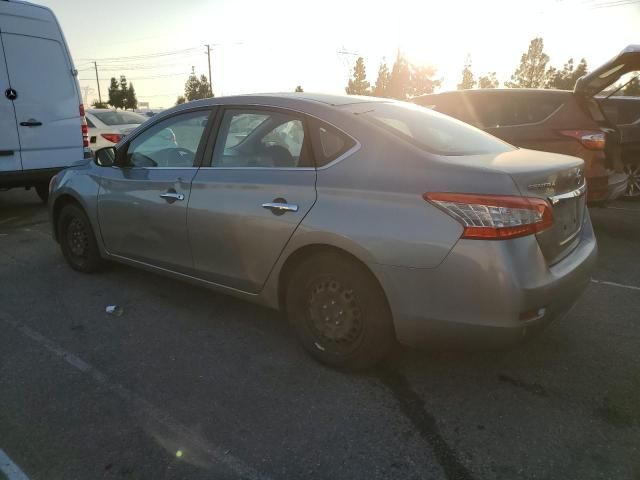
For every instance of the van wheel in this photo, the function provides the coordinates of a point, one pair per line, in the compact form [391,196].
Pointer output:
[339,312]
[77,240]
[42,189]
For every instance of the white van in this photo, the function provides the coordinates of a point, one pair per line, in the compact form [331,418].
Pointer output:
[42,125]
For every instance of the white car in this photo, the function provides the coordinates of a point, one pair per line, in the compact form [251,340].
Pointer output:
[107,126]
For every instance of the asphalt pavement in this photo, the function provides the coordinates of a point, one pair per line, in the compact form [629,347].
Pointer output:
[190,384]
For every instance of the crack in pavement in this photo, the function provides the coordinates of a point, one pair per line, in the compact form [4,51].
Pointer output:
[412,406]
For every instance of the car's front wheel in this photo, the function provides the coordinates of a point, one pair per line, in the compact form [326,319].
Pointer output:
[339,312]
[77,240]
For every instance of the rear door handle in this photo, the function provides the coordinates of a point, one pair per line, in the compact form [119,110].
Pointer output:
[172,196]
[31,123]
[6,153]
[279,208]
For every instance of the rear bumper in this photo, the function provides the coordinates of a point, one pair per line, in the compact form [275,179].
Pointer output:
[27,178]
[491,293]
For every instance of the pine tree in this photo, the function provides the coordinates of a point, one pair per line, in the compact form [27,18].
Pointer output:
[566,78]
[132,100]
[533,67]
[197,88]
[488,81]
[468,82]
[422,81]
[381,88]
[358,85]
[632,89]
[115,95]
[400,78]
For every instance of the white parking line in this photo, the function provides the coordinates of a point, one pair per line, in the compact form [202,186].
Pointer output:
[614,284]
[10,469]
[191,444]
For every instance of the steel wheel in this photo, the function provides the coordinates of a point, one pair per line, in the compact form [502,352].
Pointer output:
[335,316]
[339,311]
[77,240]
[633,187]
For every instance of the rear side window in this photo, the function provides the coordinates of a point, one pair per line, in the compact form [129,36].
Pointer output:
[510,110]
[329,142]
[114,117]
[432,131]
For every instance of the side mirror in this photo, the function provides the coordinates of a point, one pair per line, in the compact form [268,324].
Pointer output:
[105,157]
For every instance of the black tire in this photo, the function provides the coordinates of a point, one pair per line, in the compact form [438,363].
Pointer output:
[77,240]
[42,189]
[339,312]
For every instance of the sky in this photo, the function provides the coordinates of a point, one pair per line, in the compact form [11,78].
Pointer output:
[275,45]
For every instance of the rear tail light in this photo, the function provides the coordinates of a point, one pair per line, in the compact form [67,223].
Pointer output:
[112,137]
[591,139]
[84,128]
[495,217]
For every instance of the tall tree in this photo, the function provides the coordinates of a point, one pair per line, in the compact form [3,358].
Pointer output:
[115,95]
[381,88]
[468,81]
[358,85]
[400,78]
[566,78]
[488,81]
[299,89]
[422,81]
[197,88]
[533,66]
[131,99]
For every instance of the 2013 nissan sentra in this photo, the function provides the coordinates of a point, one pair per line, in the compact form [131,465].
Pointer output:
[365,220]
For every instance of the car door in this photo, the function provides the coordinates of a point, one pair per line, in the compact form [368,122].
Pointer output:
[9,144]
[142,202]
[245,205]
[47,104]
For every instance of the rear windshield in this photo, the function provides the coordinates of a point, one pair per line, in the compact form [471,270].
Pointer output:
[112,117]
[433,131]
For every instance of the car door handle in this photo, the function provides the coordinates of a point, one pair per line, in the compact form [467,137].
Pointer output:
[172,196]
[6,153]
[31,123]
[278,208]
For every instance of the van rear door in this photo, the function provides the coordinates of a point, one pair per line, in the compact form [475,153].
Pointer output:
[40,71]
[9,144]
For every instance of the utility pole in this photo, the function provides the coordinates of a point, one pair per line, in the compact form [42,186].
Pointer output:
[209,61]
[95,64]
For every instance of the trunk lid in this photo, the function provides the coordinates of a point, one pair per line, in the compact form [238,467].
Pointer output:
[556,178]
[628,60]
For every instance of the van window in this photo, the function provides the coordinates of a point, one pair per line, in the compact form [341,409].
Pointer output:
[433,131]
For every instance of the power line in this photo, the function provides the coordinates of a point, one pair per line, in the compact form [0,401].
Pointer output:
[137,57]
[105,79]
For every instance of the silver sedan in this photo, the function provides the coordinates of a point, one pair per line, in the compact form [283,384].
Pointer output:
[364,220]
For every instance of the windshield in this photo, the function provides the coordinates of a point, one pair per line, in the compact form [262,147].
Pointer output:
[433,131]
[113,117]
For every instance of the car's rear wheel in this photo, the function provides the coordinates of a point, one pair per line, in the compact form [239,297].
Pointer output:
[633,187]
[77,240]
[42,189]
[339,312]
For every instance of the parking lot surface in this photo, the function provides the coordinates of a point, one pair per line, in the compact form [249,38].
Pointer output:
[190,384]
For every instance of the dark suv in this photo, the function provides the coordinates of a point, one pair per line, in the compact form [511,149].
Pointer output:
[579,123]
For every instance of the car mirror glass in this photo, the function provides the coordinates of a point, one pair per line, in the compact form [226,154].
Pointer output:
[105,157]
